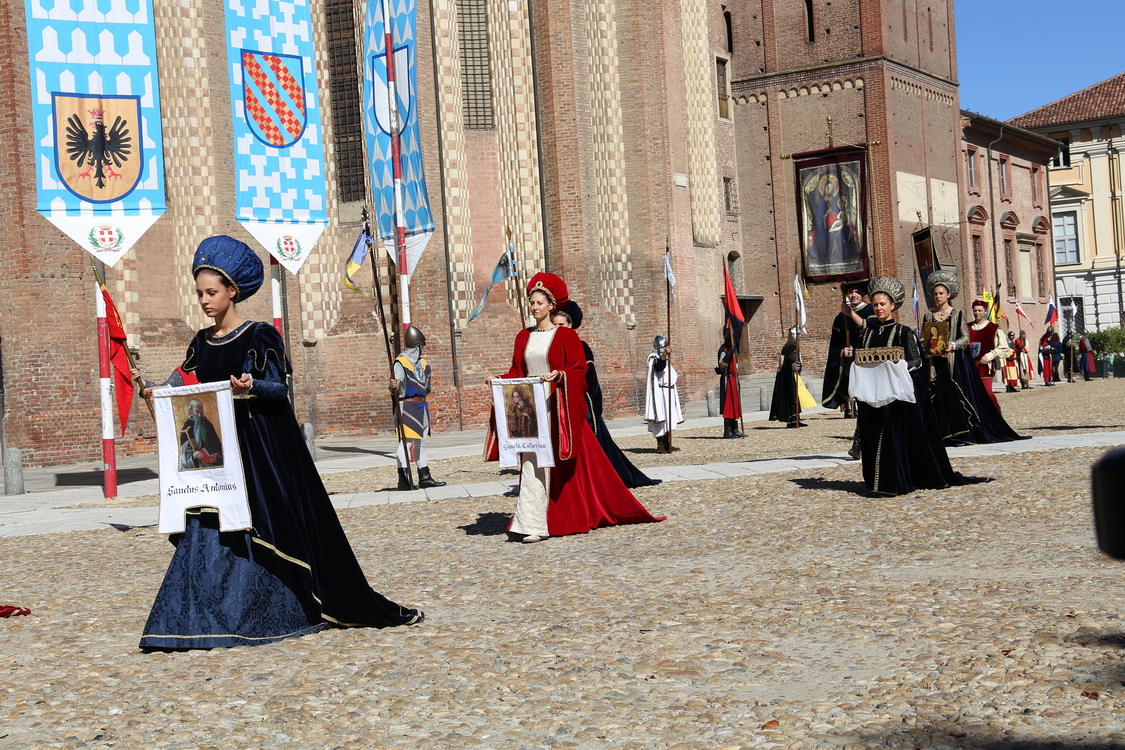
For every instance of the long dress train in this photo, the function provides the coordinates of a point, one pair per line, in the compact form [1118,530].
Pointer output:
[583,490]
[295,572]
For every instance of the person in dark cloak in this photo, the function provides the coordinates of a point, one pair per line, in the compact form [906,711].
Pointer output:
[845,333]
[730,395]
[902,449]
[570,316]
[785,406]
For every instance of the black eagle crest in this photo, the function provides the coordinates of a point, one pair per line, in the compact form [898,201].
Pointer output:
[101,151]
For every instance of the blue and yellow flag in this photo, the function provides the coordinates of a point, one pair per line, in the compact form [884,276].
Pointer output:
[355,262]
[994,311]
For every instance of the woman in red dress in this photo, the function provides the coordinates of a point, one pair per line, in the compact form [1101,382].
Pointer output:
[582,491]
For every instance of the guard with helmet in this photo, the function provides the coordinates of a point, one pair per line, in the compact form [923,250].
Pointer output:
[411,384]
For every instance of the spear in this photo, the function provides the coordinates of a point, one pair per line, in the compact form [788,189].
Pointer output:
[395,406]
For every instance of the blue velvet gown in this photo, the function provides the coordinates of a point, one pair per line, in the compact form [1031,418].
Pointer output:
[294,573]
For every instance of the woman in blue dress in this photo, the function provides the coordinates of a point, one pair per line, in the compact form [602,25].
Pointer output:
[294,573]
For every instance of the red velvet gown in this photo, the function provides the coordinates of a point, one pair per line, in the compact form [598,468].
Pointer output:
[585,491]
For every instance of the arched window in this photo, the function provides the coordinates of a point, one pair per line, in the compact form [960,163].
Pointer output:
[810,25]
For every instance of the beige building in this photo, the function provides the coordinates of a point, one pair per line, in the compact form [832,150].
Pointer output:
[1086,202]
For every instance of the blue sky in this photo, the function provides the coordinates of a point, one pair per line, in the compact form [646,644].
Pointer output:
[1012,55]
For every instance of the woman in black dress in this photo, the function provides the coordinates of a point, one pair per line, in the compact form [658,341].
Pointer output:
[570,315]
[294,573]
[901,451]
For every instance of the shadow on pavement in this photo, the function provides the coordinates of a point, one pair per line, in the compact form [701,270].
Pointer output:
[953,737]
[1117,640]
[1061,427]
[488,524]
[838,485]
[353,449]
[95,478]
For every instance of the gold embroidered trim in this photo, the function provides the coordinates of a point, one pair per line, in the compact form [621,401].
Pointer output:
[540,288]
[232,635]
[230,336]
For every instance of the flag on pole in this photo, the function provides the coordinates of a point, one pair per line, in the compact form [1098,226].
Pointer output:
[505,269]
[119,358]
[668,273]
[419,221]
[995,313]
[93,120]
[1052,312]
[355,262]
[1022,314]
[916,302]
[734,316]
[800,294]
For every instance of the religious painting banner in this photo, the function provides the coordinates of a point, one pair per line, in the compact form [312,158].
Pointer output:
[832,213]
[95,103]
[200,464]
[926,259]
[417,217]
[523,424]
[280,194]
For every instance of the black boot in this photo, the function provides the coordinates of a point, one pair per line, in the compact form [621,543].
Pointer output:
[404,481]
[730,429]
[425,480]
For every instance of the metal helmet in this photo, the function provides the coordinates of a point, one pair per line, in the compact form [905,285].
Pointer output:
[793,331]
[414,337]
[659,344]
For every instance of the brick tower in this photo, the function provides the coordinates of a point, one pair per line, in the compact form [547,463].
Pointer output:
[883,71]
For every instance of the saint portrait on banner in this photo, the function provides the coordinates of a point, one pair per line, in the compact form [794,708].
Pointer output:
[520,411]
[831,210]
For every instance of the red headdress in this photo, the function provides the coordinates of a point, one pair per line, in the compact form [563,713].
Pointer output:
[552,286]
[979,303]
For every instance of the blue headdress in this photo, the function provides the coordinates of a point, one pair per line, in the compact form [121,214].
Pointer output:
[233,260]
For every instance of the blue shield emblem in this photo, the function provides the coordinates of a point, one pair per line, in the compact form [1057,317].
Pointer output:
[403,88]
[273,94]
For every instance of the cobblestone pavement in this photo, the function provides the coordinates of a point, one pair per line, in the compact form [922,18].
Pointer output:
[778,610]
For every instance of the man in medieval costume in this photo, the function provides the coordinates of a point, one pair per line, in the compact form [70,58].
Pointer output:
[662,398]
[786,403]
[411,384]
[1024,360]
[845,333]
[730,397]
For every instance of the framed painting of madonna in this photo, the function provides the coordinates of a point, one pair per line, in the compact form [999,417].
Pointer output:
[832,213]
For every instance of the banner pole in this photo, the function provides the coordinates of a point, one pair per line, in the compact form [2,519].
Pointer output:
[275,288]
[396,166]
[109,452]
[400,430]
[668,371]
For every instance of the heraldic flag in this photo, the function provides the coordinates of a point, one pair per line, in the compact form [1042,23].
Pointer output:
[119,358]
[419,221]
[280,192]
[95,103]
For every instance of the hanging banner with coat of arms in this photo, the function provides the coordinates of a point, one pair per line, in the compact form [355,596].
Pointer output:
[278,143]
[376,120]
[96,107]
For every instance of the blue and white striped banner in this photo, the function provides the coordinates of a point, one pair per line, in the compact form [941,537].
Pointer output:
[278,143]
[96,106]
[376,109]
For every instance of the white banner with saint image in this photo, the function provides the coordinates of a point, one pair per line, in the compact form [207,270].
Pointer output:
[523,424]
[200,464]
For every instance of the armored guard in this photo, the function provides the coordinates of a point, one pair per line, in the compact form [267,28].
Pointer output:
[412,385]
[662,398]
